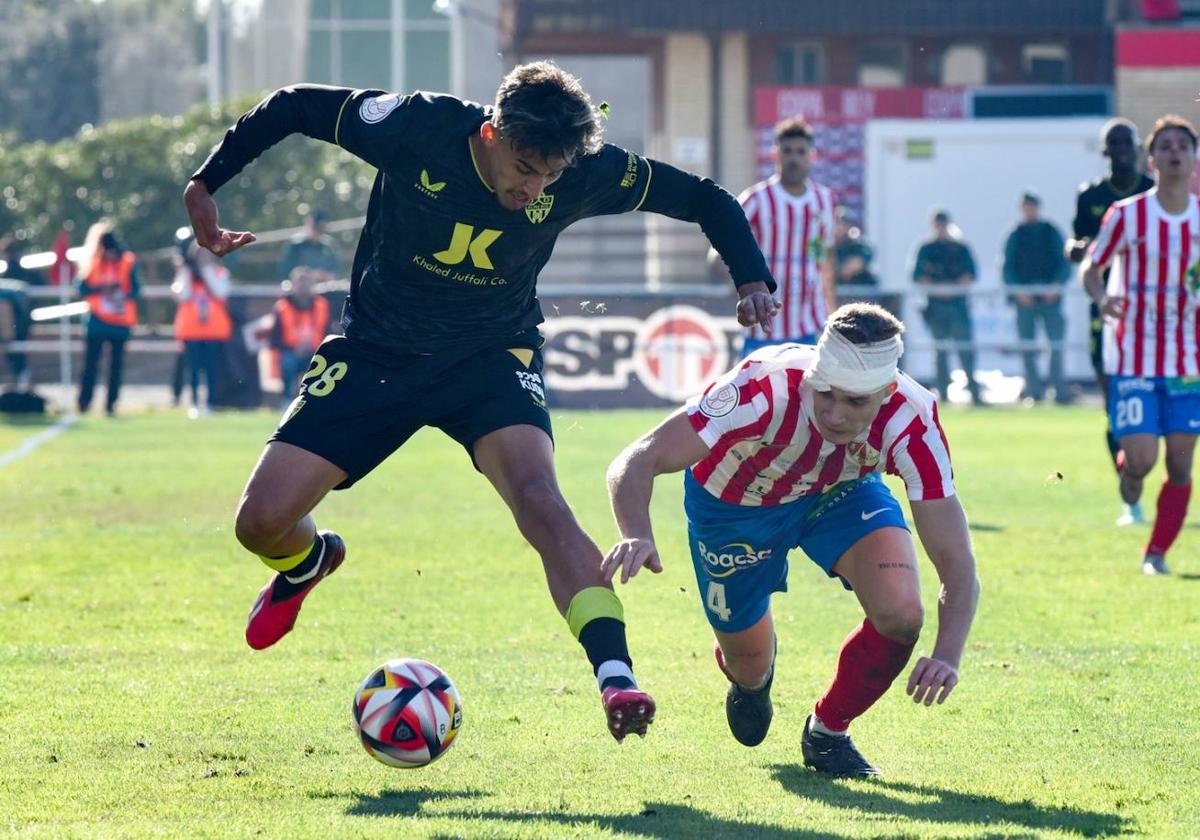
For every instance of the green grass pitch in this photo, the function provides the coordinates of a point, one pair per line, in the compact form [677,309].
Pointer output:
[131,707]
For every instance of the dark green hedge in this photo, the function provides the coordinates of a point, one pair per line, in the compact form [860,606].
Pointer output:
[133,172]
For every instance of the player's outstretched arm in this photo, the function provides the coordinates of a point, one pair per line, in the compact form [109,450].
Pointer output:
[202,214]
[756,305]
[668,448]
[312,110]
[682,195]
[942,528]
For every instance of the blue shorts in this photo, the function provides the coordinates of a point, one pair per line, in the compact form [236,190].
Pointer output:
[749,345]
[1154,405]
[740,553]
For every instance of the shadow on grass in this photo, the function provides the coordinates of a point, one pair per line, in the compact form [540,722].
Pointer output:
[29,421]
[984,526]
[667,821]
[1189,576]
[398,803]
[890,799]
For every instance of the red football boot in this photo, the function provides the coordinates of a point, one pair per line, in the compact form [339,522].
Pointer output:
[629,710]
[270,619]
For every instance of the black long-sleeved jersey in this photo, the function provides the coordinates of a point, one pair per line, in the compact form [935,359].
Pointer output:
[440,263]
[1095,198]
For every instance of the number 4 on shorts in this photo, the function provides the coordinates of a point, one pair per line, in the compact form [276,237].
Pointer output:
[715,600]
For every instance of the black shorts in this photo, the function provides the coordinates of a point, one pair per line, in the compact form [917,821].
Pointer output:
[355,408]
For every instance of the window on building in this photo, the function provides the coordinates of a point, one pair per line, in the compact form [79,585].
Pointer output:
[799,63]
[392,44]
[964,65]
[1045,64]
[882,64]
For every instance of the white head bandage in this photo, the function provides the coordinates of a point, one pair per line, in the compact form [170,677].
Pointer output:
[854,368]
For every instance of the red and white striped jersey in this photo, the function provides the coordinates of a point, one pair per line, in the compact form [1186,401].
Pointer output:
[765,449]
[795,235]
[1158,273]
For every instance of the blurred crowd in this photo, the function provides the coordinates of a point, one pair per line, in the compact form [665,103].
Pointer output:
[216,340]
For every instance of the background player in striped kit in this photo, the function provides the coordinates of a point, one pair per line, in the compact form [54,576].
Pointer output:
[786,451]
[1152,328]
[1120,140]
[792,219]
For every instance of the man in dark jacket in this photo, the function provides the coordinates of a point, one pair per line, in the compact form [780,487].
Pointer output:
[945,270]
[1033,260]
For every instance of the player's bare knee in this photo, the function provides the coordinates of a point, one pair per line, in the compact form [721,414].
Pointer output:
[256,528]
[1138,467]
[749,670]
[900,622]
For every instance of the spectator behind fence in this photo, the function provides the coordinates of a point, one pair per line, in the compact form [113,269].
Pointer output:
[945,269]
[301,322]
[109,284]
[1033,256]
[14,300]
[13,270]
[201,319]
[852,254]
[312,249]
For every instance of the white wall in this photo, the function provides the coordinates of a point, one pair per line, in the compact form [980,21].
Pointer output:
[977,171]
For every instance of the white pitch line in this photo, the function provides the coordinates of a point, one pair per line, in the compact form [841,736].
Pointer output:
[34,441]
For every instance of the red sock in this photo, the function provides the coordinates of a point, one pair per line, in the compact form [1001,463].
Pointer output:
[1172,510]
[867,665]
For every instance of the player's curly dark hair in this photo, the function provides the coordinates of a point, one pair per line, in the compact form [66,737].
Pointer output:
[1170,121]
[865,323]
[544,109]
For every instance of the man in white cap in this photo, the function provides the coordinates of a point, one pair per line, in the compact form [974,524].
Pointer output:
[787,450]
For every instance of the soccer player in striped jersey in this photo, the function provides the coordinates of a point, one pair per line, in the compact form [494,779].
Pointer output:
[1120,139]
[792,219]
[787,451]
[1152,328]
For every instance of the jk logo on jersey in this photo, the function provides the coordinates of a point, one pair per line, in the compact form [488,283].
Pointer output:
[466,242]
[538,209]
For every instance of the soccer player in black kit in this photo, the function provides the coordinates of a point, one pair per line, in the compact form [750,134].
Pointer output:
[441,322]
[1120,140]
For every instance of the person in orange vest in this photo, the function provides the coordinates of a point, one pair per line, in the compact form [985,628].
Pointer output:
[109,284]
[202,320]
[301,323]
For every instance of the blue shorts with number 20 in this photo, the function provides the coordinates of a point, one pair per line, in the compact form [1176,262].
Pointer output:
[740,553]
[1154,405]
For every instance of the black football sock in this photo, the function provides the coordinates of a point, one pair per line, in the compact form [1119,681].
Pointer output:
[295,579]
[603,640]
